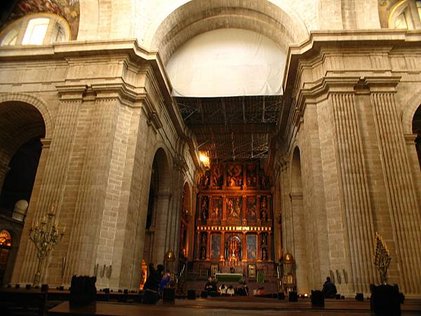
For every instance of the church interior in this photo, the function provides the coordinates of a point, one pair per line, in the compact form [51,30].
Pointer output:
[274,142]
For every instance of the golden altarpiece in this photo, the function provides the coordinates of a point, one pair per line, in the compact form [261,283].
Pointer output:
[234,221]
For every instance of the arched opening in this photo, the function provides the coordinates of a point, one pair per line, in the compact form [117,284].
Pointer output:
[36,29]
[20,177]
[156,237]
[21,129]
[405,14]
[416,129]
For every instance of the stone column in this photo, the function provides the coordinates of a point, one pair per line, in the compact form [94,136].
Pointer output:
[400,190]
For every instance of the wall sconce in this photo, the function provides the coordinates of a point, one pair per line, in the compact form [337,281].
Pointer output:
[204,159]
[105,271]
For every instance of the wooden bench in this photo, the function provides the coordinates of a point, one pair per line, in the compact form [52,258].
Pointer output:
[23,302]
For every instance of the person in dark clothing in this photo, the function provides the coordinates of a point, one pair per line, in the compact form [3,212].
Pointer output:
[329,289]
[151,287]
[211,285]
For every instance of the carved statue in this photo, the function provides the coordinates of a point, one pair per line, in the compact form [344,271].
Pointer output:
[204,209]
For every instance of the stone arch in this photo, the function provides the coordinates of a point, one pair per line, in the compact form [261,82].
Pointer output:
[22,126]
[200,16]
[38,103]
[409,111]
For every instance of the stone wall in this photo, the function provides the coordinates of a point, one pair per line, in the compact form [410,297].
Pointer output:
[108,114]
[359,169]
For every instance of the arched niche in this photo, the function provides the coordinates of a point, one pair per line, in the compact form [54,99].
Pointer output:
[298,228]
[156,237]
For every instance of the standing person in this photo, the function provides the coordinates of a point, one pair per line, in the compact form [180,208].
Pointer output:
[150,293]
[329,289]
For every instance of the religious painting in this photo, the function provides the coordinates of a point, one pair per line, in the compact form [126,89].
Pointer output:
[215,246]
[216,208]
[217,178]
[234,175]
[214,269]
[234,207]
[251,174]
[251,208]
[251,240]
[251,271]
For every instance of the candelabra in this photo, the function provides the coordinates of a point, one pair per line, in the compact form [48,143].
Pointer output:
[45,236]
[382,258]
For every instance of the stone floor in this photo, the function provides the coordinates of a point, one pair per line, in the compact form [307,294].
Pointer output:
[233,306]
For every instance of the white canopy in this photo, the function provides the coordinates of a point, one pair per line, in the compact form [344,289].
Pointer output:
[227,62]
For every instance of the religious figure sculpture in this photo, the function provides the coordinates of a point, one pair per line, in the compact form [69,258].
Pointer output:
[251,207]
[204,209]
[203,245]
[217,176]
[251,175]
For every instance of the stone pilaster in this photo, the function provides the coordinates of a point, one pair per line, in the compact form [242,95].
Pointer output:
[299,239]
[162,225]
[400,190]
[355,197]
[50,184]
